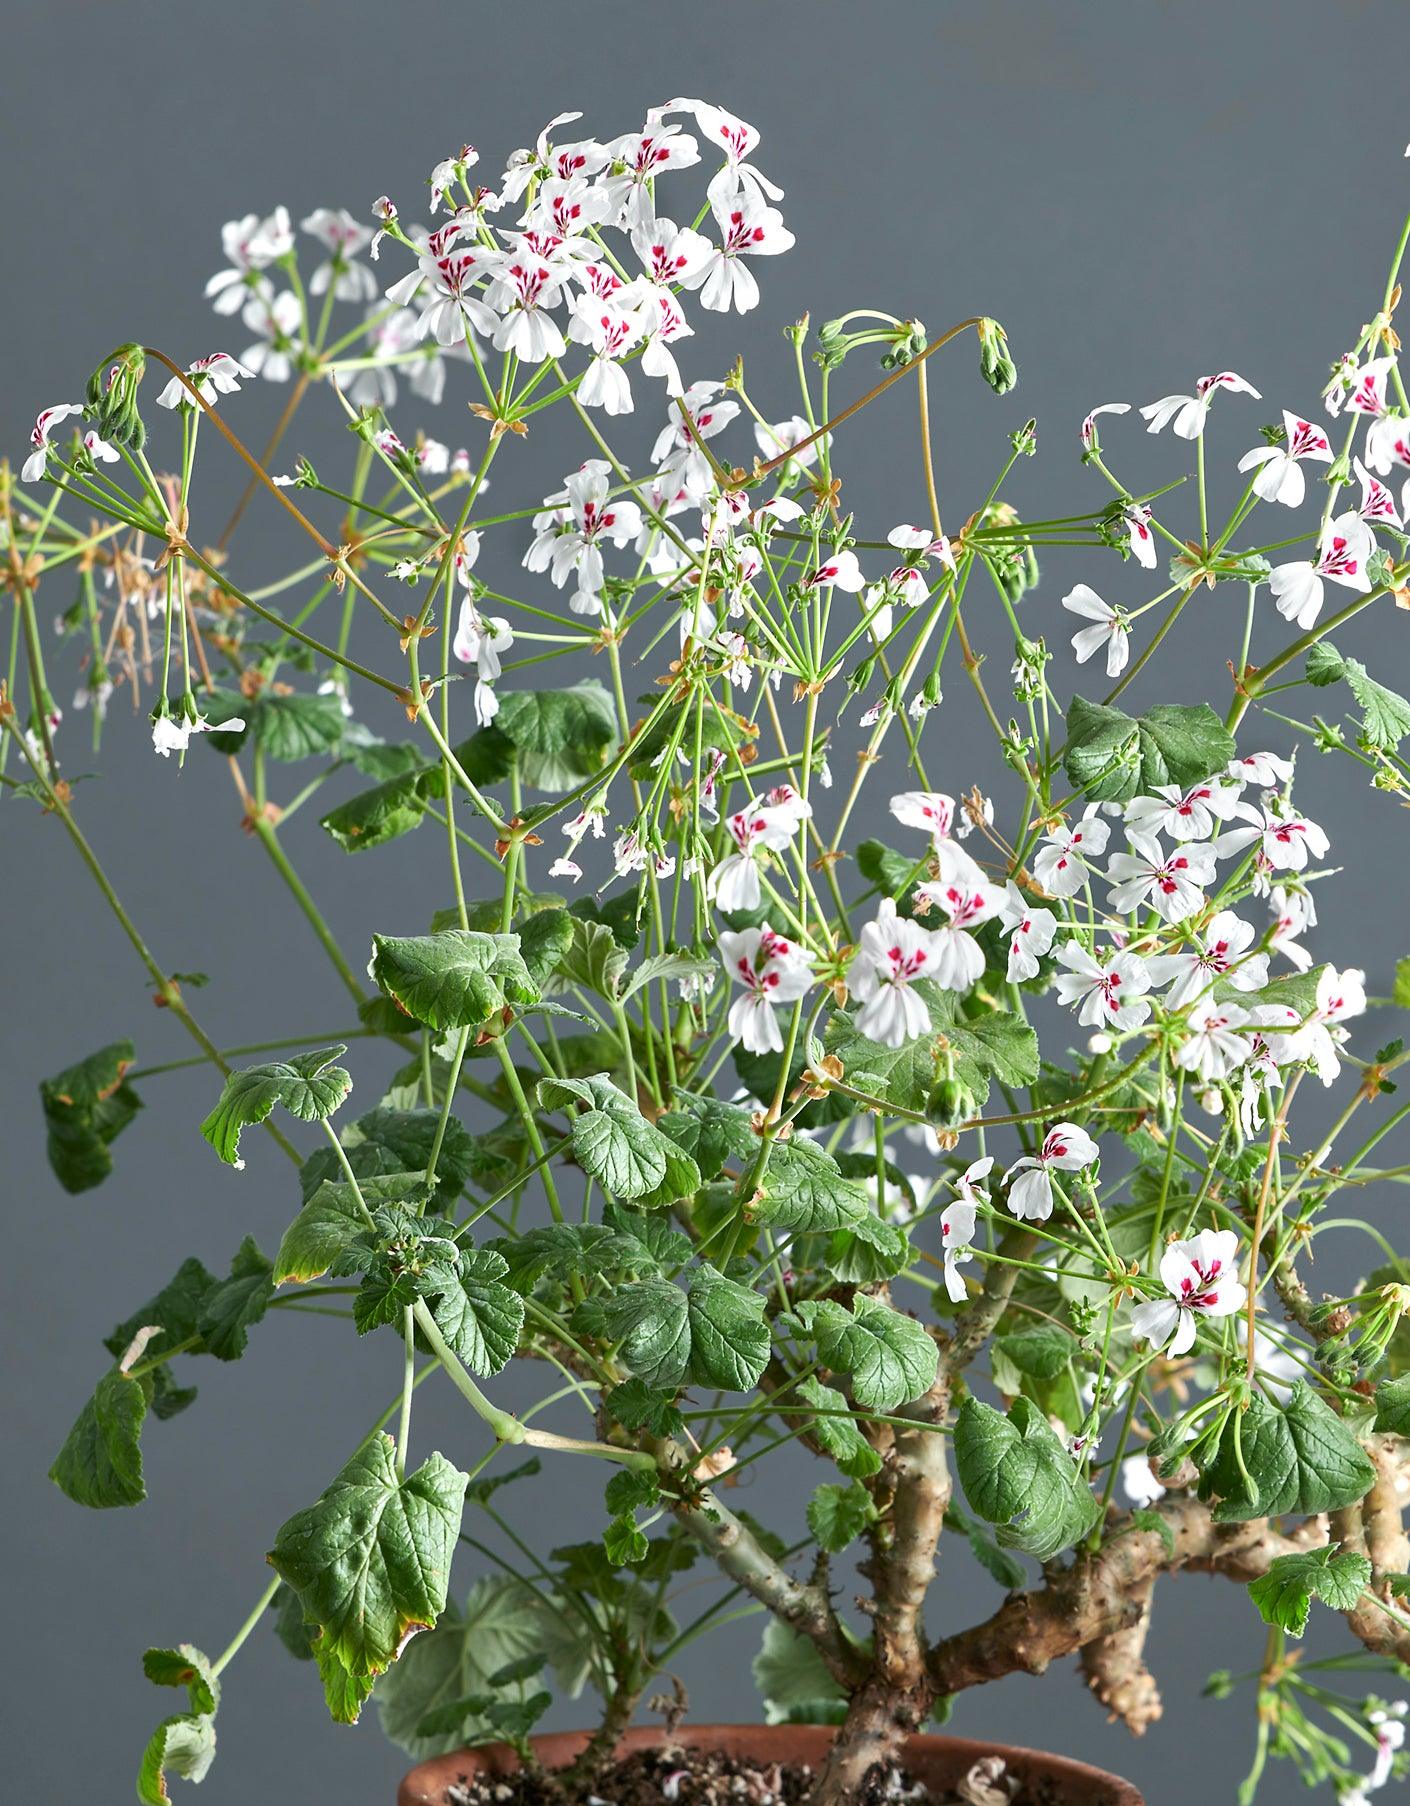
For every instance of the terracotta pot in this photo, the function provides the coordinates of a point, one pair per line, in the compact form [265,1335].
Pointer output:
[938,1761]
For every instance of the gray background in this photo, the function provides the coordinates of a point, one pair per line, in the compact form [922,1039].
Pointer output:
[1141,192]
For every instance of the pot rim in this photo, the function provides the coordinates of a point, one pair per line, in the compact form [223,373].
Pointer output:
[427,1782]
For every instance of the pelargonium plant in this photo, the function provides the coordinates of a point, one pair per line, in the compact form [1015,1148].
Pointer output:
[734,1123]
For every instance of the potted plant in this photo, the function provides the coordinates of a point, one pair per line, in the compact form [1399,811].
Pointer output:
[949,1136]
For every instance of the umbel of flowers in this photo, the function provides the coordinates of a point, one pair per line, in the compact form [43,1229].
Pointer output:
[749,1138]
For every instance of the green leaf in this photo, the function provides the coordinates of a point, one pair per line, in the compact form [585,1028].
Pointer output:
[804,1190]
[479,1316]
[185,1666]
[1004,1568]
[613,1142]
[1393,1407]
[371,1559]
[713,1133]
[378,759]
[1285,1593]
[86,1107]
[1400,992]
[175,1310]
[559,736]
[331,1233]
[837,1515]
[309,1087]
[624,1543]
[544,941]
[501,1622]
[890,1357]
[100,1464]
[1017,1474]
[1325,665]
[1298,1457]
[296,727]
[1111,757]
[894,874]
[231,1307]
[637,1407]
[650,1319]
[596,958]
[664,967]
[793,1681]
[389,1144]
[374,817]
[836,1430]
[1041,1352]
[729,1339]
[454,979]
[1385,716]
[289,1624]
[181,1745]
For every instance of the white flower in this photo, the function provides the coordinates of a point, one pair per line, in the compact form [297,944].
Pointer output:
[641,157]
[1061,863]
[276,319]
[1112,629]
[1110,990]
[1087,433]
[1377,503]
[1285,840]
[1170,883]
[217,374]
[772,971]
[1388,444]
[611,331]
[1030,933]
[770,822]
[1367,391]
[957,1222]
[1065,1149]
[736,138]
[783,435]
[748,226]
[449,273]
[570,540]
[1340,995]
[1345,549]
[99,450]
[1262,768]
[1188,412]
[479,640]
[1139,1482]
[1136,521]
[34,464]
[1212,1047]
[680,462]
[892,955]
[1201,1277]
[249,245]
[521,291]
[1293,913]
[959,959]
[171,733]
[841,571]
[342,237]
[1219,953]
[1183,814]
[1280,477]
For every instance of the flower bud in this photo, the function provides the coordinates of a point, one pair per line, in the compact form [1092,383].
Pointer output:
[1099,1043]
[995,364]
[112,395]
[951,1103]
